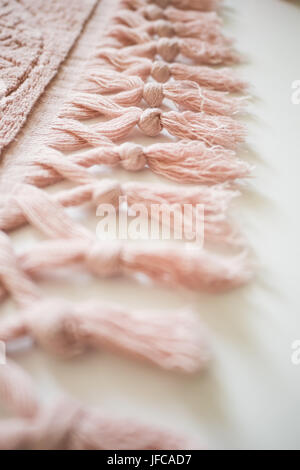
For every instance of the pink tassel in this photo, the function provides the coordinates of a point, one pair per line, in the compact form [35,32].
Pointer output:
[169,340]
[70,134]
[169,48]
[174,267]
[214,221]
[184,93]
[194,162]
[134,19]
[131,65]
[216,201]
[86,105]
[213,130]
[203,30]
[202,52]
[153,12]
[194,29]
[144,17]
[66,424]
[218,79]
[69,425]
[176,15]
[194,269]
[201,5]
[183,161]
[190,96]
[95,78]
[125,36]
[107,81]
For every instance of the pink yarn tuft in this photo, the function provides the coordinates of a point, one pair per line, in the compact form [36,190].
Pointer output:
[219,79]
[153,12]
[200,30]
[202,5]
[194,162]
[69,425]
[158,21]
[131,91]
[169,48]
[69,134]
[66,424]
[193,269]
[27,203]
[184,161]
[170,340]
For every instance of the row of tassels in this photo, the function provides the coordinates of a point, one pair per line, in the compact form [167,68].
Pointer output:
[208,109]
[206,154]
[190,268]
[194,269]
[170,340]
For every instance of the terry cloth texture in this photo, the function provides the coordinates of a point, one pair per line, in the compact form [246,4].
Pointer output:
[35,37]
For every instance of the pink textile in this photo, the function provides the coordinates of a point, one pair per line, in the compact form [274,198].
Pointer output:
[187,98]
[35,38]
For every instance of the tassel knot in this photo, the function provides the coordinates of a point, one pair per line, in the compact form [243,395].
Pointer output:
[132,156]
[168,48]
[54,325]
[153,94]
[150,122]
[164,28]
[160,71]
[153,12]
[105,260]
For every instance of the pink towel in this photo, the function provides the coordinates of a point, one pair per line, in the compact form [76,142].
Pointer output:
[35,37]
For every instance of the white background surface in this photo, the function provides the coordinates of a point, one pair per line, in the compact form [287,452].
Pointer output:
[250,396]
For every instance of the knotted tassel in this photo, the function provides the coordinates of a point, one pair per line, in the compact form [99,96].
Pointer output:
[193,269]
[70,134]
[168,49]
[210,22]
[153,12]
[193,29]
[183,161]
[66,424]
[94,80]
[132,90]
[212,221]
[172,340]
[201,5]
